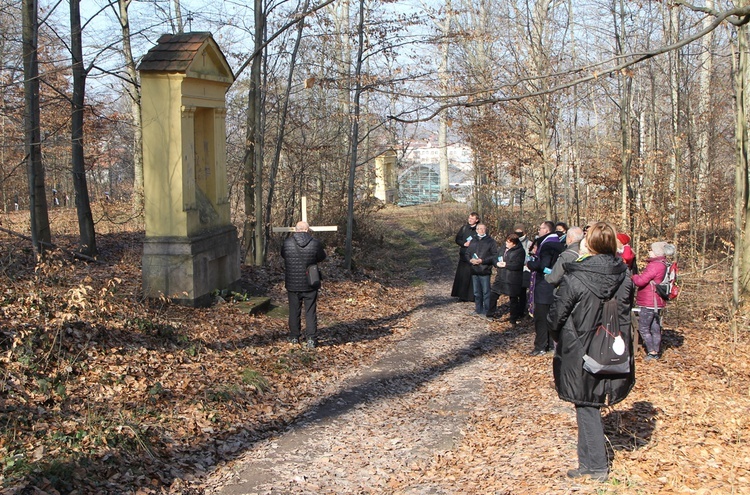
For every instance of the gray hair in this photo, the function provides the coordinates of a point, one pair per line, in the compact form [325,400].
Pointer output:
[575,234]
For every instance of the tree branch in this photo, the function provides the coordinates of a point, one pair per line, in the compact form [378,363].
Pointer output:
[301,17]
[737,16]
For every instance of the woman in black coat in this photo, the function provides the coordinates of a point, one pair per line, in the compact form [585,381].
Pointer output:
[509,278]
[574,317]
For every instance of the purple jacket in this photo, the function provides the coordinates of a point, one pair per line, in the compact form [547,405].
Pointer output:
[654,271]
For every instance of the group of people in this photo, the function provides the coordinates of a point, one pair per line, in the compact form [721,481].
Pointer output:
[568,274]
[571,272]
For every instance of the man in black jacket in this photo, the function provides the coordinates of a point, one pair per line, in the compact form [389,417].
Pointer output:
[481,254]
[299,251]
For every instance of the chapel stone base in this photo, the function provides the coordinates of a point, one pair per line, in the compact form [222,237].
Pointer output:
[188,269]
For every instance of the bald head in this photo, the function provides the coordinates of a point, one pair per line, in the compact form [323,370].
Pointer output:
[301,227]
[575,234]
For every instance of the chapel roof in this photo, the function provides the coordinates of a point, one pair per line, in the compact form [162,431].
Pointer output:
[177,52]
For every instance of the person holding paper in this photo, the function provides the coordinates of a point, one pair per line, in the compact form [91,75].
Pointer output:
[481,254]
[509,279]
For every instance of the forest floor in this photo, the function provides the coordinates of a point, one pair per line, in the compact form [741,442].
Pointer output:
[104,392]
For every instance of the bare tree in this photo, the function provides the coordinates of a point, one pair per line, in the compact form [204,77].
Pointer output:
[625,81]
[87,239]
[40,230]
[704,133]
[443,76]
[354,134]
[253,229]
[133,91]
[282,122]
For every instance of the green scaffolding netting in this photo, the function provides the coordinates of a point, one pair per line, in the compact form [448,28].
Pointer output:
[419,184]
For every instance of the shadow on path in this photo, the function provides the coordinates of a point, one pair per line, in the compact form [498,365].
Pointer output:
[404,369]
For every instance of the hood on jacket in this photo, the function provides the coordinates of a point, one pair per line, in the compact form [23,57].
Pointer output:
[602,274]
[302,238]
[574,246]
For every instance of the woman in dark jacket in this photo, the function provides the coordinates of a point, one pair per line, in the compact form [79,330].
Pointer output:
[509,278]
[574,317]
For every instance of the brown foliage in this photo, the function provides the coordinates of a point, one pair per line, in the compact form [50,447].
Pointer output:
[104,392]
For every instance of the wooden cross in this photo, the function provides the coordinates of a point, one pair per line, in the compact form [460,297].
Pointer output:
[323,228]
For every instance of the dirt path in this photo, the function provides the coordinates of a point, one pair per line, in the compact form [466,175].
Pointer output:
[458,406]
[412,404]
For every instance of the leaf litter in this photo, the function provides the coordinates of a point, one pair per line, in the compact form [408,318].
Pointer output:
[104,392]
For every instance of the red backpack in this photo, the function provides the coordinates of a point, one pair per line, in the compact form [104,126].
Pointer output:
[668,288]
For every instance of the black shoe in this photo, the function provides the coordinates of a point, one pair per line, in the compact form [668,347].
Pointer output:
[537,353]
[311,344]
[594,475]
[293,340]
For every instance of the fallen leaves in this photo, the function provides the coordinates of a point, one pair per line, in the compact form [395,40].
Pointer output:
[94,376]
[105,393]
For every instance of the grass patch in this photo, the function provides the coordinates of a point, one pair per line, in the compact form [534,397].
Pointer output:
[255,380]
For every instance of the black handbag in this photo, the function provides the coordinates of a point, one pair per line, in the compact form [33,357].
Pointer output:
[313,272]
[313,276]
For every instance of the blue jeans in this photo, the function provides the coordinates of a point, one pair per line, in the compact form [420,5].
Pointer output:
[481,293]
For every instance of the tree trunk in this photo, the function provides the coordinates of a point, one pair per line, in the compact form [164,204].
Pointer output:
[626,153]
[704,141]
[445,193]
[282,124]
[355,136]
[256,73]
[40,231]
[343,49]
[741,262]
[254,152]
[180,27]
[676,154]
[83,206]
[541,67]
[575,163]
[134,93]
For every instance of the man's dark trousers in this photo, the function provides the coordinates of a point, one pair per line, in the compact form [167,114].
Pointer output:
[310,299]
[542,341]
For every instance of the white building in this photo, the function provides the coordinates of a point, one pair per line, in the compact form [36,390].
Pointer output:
[427,152]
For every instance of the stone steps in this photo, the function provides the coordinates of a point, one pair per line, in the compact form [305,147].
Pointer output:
[255,305]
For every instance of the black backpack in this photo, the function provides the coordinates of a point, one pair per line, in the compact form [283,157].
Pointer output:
[668,288]
[609,350]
